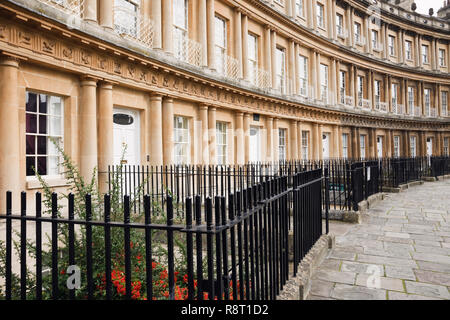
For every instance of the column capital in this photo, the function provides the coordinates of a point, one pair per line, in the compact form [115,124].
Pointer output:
[106,85]
[89,81]
[9,61]
[155,97]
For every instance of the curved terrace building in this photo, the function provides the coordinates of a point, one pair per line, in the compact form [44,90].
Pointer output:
[217,82]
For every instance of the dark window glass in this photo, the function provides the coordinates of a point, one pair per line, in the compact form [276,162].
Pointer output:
[42,124]
[43,103]
[42,145]
[30,164]
[31,102]
[31,144]
[42,166]
[123,119]
[31,123]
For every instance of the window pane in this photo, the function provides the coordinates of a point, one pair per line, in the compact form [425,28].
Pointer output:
[53,166]
[31,144]
[41,145]
[31,102]
[42,166]
[31,123]
[42,124]
[42,103]
[55,126]
[30,165]
[55,106]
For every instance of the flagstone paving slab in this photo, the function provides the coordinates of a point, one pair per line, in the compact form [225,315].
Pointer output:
[400,251]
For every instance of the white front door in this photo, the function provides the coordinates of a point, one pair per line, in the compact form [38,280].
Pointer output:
[380,147]
[326,146]
[429,147]
[255,144]
[126,127]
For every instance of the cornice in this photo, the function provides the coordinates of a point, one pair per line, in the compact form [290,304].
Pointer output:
[74,52]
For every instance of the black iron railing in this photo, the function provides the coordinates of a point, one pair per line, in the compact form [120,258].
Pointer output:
[233,247]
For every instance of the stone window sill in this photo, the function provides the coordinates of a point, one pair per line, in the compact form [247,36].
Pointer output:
[52,182]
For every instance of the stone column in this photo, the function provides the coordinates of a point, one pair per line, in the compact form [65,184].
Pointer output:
[210,20]
[309,15]
[355,85]
[338,82]
[268,51]
[334,86]
[384,35]
[340,152]
[366,34]
[203,34]
[240,141]
[273,47]
[294,140]
[240,44]
[106,17]
[297,68]
[314,14]
[269,126]
[433,54]
[10,176]
[167,26]
[354,143]
[291,67]
[90,10]
[370,91]
[247,137]
[244,51]
[156,131]
[333,20]
[88,127]
[212,135]
[370,150]
[205,134]
[167,130]
[315,141]
[318,79]
[276,140]
[299,142]
[319,141]
[349,13]
[419,57]
[314,72]
[335,153]
[105,134]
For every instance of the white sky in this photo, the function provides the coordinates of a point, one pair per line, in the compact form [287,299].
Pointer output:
[424,5]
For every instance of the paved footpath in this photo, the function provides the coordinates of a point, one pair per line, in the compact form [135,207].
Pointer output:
[401,250]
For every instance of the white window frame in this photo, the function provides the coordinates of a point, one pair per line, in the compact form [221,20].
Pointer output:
[425,54]
[394,96]
[411,102]
[125,19]
[362,146]
[339,24]
[51,119]
[342,85]
[444,103]
[391,45]
[446,151]
[184,143]
[427,99]
[320,15]
[180,30]
[357,32]
[324,83]
[282,144]
[220,27]
[253,60]
[305,145]
[408,50]
[396,146]
[412,143]
[377,91]
[299,8]
[441,58]
[280,69]
[360,92]
[375,39]
[303,75]
[221,143]
[345,145]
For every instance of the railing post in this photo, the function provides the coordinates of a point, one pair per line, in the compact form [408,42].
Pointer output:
[327,200]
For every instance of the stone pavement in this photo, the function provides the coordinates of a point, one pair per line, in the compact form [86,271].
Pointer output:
[401,250]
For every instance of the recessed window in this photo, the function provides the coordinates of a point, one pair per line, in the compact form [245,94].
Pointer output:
[396,146]
[181,140]
[44,122]
[299,8]
[408,50]
[425,54]
[220,44]
[282,144]
[180,24]
[345,145]
[221,141]
[252,43]
[125,17]
[391,40]
[281,70]
[412,143]
[362,145]
[441,57]
[303,65]
[320,16]
[305,145]
[324,83]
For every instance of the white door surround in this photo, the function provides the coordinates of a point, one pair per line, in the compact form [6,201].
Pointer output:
[325,145]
